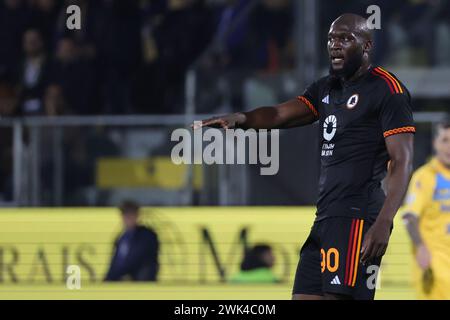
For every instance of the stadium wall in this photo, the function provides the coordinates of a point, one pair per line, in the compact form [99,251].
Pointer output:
[200,246]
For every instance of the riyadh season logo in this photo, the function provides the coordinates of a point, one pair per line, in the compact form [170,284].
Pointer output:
[329,130]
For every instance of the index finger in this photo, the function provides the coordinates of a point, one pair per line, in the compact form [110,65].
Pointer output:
[202,123]
[366,252]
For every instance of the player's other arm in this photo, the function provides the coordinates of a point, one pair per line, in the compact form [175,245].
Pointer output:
[292,113]
[423,255]
[412,226]
[418,199]
[400,149]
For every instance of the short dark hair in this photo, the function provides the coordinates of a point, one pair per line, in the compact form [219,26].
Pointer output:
[443,124]
[129,206]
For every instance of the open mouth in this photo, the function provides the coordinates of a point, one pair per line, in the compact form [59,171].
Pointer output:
[335,59]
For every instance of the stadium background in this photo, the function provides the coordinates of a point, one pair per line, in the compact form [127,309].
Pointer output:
[86,118]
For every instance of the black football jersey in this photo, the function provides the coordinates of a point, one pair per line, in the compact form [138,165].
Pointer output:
[354,119]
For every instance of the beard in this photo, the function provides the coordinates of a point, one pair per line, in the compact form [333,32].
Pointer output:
[351,65]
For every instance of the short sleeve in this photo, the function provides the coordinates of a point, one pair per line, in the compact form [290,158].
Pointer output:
[310,98]
[419,193]
[396,115]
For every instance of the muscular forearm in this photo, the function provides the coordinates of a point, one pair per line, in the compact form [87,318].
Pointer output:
[260,118]
[292,113]
[283,116]
[398,180]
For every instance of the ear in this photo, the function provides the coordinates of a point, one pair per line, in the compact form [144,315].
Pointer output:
[368,44]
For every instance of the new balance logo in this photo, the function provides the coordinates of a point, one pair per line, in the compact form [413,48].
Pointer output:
[335,280]
[326,99]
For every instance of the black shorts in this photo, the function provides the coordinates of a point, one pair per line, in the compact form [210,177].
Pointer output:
[330,260]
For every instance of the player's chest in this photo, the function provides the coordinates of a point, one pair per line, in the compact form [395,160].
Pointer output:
[347,108]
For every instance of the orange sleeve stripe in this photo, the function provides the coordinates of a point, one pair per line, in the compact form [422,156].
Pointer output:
[399,130]
[387,79]
[309,105]
[391,77]
[389,83]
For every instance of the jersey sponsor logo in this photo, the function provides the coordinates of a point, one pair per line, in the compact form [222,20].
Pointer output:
[352,101]
[329,130]
[329,127]
[335,280]
[442,190]
[326,99]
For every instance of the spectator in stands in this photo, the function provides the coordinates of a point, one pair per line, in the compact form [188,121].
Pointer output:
[233,26]
[54,105]
[54,102]
[76,76]
[135,251]
[13,20]
[43,16]
[8,107]
[253,37]
[256,37]
[257,266]
[119,51]
[8,99]
[173,38]
[33,73]
[272,25]
[93,26]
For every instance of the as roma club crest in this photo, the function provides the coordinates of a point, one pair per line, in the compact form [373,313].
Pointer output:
[352,101]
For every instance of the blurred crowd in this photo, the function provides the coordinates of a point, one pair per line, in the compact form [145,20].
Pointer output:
[129,56]
[132,56]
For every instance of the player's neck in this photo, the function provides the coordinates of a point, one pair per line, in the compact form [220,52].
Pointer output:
[365,66]
[442,164]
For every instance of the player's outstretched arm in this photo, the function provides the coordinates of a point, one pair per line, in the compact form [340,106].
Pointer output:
[292,113]
[400,149]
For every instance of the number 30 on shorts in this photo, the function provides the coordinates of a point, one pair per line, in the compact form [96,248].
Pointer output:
[330,260]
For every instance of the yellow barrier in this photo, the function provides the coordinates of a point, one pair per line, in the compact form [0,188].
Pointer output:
[156,172]
[200,249]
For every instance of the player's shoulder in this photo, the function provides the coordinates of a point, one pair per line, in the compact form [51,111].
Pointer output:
[425,173]
[387,82]
[321,82]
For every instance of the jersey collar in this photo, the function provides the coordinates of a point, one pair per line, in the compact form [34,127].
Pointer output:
[362,76]
[439,167]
